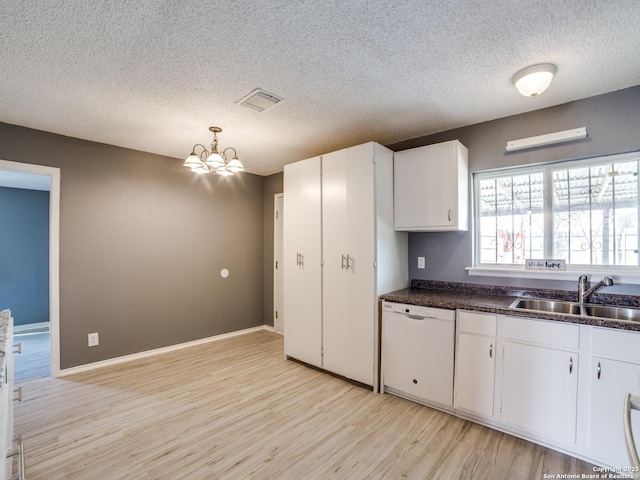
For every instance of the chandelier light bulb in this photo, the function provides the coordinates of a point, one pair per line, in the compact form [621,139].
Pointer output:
[215,161]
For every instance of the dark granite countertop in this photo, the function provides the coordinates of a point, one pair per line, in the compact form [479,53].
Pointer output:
[497,299]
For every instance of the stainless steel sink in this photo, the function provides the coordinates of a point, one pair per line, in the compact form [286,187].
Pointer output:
[616,313]
[544,305]
[612,312]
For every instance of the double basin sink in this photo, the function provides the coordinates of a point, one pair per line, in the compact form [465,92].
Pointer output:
[611,312]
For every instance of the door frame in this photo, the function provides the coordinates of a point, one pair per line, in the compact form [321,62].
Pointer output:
[54,251]
[278,230]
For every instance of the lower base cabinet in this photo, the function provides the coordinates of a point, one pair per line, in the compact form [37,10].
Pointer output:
[558,384]
[475,363]
[614,372]
[540,390]
[8,449]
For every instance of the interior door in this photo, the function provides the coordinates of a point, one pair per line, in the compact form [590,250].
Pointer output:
[302,261]
[278,251]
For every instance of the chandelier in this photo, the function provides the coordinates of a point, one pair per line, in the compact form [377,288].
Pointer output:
[213,161]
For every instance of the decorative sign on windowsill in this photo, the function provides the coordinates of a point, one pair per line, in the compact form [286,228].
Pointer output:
[544,264]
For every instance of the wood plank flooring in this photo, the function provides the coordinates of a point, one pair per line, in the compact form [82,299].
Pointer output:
[236,409]
[35,359]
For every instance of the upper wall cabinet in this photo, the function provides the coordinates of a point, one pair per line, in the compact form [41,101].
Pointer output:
[431,188]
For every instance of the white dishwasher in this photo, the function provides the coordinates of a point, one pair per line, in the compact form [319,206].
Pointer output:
[417,353]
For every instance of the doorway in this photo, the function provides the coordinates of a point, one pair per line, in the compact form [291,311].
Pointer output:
[278,278]
[22,175]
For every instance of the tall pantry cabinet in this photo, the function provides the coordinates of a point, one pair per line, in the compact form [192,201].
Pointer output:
[340,253]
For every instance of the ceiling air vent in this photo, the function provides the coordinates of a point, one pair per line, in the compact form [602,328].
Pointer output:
[259,100]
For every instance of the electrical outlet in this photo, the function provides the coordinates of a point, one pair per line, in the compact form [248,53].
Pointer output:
[93,339]
[421,262]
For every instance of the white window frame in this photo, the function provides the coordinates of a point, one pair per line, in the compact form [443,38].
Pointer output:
[620,273]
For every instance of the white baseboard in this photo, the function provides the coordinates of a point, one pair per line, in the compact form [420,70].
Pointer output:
[158,351]
[31,328]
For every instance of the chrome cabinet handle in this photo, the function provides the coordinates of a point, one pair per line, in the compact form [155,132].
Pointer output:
[18,347]
[449,214]
[19,392]
[343,259]
[301,260]
[570,365]
[599,370]
[491,351]
[349,262]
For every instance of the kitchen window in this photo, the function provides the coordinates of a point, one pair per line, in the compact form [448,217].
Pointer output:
[584,212]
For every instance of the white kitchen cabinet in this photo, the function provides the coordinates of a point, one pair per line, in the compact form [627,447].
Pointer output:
[540,378]
[348,234]
[475,364]
[362,257]
[431,191]
[418,353]
[615,371]
[302,261]
[7,447]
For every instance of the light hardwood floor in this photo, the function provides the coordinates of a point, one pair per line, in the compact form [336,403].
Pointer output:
[236,409]
[35,359]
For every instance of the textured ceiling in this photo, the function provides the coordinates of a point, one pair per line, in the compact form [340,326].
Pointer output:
[154,75]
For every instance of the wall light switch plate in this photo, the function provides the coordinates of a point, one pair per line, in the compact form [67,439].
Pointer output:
[421,262]
[93,339]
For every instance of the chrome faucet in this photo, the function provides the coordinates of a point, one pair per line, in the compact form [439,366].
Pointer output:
[583,293]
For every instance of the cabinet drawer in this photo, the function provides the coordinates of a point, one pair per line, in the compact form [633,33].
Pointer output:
[621,344]
[477,323]
[542,332]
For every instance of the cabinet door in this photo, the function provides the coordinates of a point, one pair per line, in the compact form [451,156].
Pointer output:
[418,357]
[427,185]
[475,373]
[610,382]
[348,255]
[302,261]
[539,390]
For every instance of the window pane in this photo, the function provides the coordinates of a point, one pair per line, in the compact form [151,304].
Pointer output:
[511,218]
[595,214]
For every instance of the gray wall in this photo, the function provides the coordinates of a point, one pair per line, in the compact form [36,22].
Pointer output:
[142,243]
[272,184]
[24,254]
[613,126]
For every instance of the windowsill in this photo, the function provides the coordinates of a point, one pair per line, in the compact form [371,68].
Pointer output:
[628,275]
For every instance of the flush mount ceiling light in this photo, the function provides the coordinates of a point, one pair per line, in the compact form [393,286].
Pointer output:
[534,80]
[213,161]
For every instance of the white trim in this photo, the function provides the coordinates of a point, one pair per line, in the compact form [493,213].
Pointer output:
[277,244]
[29,327]
[54,251]
[620,274]
[158,351]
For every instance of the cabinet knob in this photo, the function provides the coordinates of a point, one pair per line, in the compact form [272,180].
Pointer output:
[415,381]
